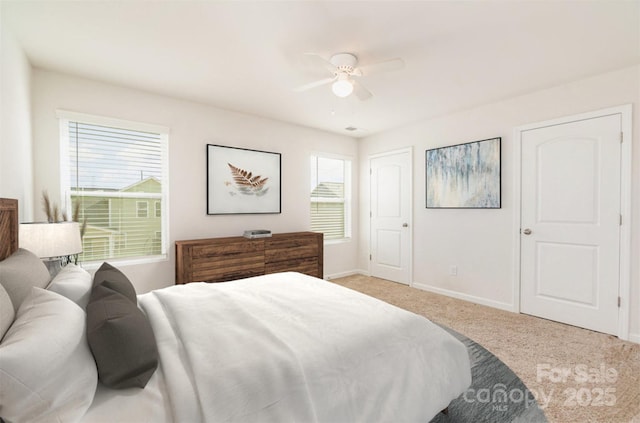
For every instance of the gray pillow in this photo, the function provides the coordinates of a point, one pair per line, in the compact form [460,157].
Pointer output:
[7,314]
[113,278]
[120,338]
[20,272]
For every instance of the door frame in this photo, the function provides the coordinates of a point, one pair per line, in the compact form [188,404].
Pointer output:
[409,151]
[624,287]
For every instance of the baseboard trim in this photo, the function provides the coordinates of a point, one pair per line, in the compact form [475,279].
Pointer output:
[465,297]
[634,337]
[345,274]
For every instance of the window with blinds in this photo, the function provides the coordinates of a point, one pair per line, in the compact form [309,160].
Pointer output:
[117,177]
[330,197]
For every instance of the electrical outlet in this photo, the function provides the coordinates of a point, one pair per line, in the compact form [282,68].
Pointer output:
[453,270]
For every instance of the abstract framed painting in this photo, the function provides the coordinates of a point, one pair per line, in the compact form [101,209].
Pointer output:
[464,175]
[242,181]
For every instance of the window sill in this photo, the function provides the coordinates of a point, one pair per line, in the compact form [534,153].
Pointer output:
[94,265]
[337,241]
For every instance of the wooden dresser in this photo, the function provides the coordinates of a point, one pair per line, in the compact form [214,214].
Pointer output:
[226,259]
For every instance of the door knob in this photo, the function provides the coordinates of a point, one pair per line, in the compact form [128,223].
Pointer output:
[405,225]
[527,231]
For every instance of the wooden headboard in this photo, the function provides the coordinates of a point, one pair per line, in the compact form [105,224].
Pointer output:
[8,227]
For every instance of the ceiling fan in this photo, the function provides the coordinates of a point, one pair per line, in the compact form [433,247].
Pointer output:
[345,73]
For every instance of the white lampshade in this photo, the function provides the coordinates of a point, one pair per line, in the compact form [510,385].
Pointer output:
[342,87]
[51,239]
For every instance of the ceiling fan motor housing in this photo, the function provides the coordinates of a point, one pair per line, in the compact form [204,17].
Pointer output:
[344,62]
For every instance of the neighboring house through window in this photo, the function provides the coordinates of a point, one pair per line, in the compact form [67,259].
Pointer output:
[115,171]
[331,197]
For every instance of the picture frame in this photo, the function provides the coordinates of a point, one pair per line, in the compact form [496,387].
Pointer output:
[464,175]
[243,181]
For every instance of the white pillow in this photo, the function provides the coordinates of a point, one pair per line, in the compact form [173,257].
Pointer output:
[21,271]
[6,312]
[74,283]
[47,372]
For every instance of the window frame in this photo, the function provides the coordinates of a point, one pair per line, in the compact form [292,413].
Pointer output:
[144,209]
[66,116]
[347,198]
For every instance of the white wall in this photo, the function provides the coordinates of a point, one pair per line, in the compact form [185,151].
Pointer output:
[192,126]
[480,242]
[16,177]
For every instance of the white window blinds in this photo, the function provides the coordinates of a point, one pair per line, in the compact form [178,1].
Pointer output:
[118,177]
[330,197]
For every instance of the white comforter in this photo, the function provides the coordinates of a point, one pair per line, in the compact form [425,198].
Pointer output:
[291,348]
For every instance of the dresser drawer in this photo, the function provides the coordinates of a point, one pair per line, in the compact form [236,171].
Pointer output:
[229,248]
[292,247]
[308,266]
[227,267]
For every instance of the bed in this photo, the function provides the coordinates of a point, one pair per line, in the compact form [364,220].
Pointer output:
[283,347]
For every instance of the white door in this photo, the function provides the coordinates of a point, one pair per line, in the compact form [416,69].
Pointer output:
[390,250]
[570,222]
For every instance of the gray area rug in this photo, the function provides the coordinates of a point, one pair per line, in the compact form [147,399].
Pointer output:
[496,394]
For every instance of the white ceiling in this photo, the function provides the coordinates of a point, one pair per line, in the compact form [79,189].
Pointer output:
[249,56]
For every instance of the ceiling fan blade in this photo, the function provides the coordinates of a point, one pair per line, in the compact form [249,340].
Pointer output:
[315,84]
[321,62]
[360,91]
[384,66]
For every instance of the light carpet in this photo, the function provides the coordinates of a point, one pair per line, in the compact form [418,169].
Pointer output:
[576,374]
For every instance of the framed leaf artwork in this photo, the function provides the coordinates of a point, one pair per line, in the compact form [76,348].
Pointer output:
[242,181]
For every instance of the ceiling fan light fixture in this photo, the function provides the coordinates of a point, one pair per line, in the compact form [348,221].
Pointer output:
[342,87]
